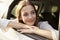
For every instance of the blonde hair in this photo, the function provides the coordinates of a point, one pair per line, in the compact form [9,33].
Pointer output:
[20,5]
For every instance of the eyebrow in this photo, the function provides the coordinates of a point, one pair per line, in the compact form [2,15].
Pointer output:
[33,10]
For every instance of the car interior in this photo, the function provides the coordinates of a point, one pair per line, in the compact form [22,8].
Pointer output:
[46,10]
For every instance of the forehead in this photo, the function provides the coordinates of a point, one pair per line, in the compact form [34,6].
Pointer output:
[27,8]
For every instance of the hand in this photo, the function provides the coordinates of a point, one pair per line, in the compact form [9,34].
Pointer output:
[30,30]
[17,25]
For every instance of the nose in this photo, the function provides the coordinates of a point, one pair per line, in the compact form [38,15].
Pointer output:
[30,16]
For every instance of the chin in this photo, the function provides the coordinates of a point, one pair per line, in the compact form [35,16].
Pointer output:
[31,24]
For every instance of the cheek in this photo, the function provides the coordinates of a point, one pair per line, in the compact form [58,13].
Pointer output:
[34,16]
[24,19]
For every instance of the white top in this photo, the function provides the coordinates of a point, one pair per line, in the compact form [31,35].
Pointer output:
[4,23]
[43,25]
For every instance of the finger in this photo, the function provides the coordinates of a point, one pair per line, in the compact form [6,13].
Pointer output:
[28,26]
[22,29]
[25,31]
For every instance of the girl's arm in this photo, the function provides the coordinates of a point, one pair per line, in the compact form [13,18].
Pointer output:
[9,23]
[44,33]
[17,25]
[35,30]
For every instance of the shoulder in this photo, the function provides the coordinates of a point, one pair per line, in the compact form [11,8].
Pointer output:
[13,20]
[43,22]
[45,25]
[4,23]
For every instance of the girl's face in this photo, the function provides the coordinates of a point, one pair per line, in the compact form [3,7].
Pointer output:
[28,15]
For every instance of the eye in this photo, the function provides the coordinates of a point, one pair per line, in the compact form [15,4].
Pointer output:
[25,14]
[33,12]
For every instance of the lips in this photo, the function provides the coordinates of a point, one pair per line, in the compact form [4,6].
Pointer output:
[30,20]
